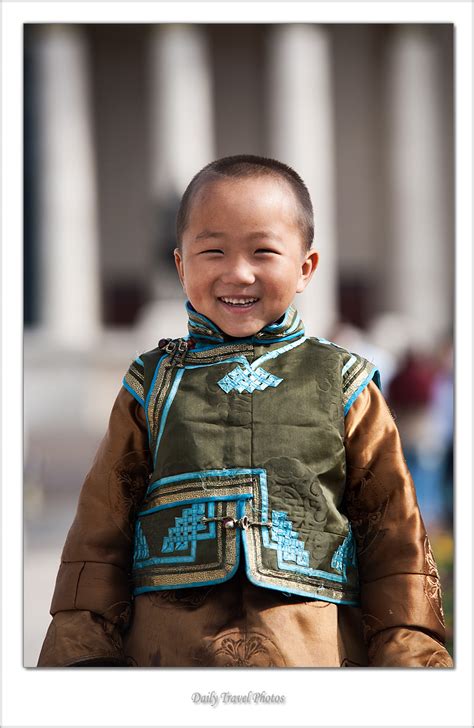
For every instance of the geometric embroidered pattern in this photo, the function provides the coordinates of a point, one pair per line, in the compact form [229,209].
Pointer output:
[188,529]
[141,547]
[248,380]
[344,554]
[288,546]
[291,553]
[173,547]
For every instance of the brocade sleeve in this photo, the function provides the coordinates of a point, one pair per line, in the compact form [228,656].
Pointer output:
[91,601]
[400,588]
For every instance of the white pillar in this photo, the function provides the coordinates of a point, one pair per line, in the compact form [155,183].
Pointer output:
[300,124]
[420,246]
[69,268]
[182,129]
[181,106]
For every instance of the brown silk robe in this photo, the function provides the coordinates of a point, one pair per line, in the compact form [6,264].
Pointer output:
[399,623]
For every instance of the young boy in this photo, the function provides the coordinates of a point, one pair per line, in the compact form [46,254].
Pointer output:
[249,504]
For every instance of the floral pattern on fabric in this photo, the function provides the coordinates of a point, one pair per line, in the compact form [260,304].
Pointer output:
[366,503]
[432,586]
[243,650]
[189,598]
[292,480]
[127,484]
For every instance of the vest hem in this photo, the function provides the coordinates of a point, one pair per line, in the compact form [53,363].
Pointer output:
[299,592]
[143,589]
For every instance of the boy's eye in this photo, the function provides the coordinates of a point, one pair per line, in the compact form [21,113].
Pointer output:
[212,250]
[267,250]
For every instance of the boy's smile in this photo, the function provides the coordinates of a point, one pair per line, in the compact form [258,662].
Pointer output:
[242,258]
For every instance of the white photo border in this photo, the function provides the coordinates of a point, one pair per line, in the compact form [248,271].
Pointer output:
[61,697]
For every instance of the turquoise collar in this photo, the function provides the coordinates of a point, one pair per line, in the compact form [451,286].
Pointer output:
[289,327]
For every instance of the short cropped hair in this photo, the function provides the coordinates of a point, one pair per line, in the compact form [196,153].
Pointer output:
[248,165]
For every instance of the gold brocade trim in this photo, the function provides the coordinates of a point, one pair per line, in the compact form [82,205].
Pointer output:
[354,378]
[218,353]
[194,489]
[135,379]
[157,398]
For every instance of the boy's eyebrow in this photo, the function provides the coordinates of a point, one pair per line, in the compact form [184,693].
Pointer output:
[209,234]
[259,234]
[264,234]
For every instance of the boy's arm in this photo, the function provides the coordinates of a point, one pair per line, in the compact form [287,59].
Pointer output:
[91,601]
[400,588]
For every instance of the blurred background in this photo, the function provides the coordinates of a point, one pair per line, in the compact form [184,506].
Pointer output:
[118,118]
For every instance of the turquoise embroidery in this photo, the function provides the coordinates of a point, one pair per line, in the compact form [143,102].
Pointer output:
[348,365]
[141,546]
[182,537]
[180,544]
[278,352]
[248,380]
[287,543]
[188,530]
[345,554]
[289,548]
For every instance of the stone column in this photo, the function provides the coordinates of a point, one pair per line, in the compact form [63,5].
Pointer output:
[300,126]
[69,268]
[420,236]
[182,142]
[181,106]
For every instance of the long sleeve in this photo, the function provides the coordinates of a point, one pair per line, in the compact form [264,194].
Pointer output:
[91,601]
[400,588]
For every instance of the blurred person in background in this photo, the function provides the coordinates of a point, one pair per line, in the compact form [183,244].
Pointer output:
[421,395]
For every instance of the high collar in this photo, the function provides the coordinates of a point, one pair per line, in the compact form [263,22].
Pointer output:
[288,327]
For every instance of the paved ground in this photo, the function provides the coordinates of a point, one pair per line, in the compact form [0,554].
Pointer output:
[46,526]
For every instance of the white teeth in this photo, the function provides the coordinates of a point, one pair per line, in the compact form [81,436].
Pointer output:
[238,301]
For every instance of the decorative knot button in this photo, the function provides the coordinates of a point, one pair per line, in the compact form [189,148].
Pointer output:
[229,522]
[246,379]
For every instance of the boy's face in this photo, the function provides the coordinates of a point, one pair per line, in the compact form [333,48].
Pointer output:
[242,257]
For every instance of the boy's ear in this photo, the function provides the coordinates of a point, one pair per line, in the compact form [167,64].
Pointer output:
[178,259]
[308,266]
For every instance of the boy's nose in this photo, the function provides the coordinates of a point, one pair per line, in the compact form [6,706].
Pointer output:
[238,273]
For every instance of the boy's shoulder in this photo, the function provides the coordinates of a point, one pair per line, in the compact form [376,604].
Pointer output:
[137,377]
[337,353]
[330,346]
[356,371]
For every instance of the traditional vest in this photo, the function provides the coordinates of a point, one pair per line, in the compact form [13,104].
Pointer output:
[247,438]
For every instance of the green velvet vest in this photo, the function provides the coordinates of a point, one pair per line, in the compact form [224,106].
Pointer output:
[247,439]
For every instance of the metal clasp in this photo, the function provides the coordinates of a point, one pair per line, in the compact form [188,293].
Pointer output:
[228,522]
[177,349]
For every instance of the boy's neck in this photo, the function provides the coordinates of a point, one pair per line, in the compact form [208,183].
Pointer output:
[287,326]
[228,337]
